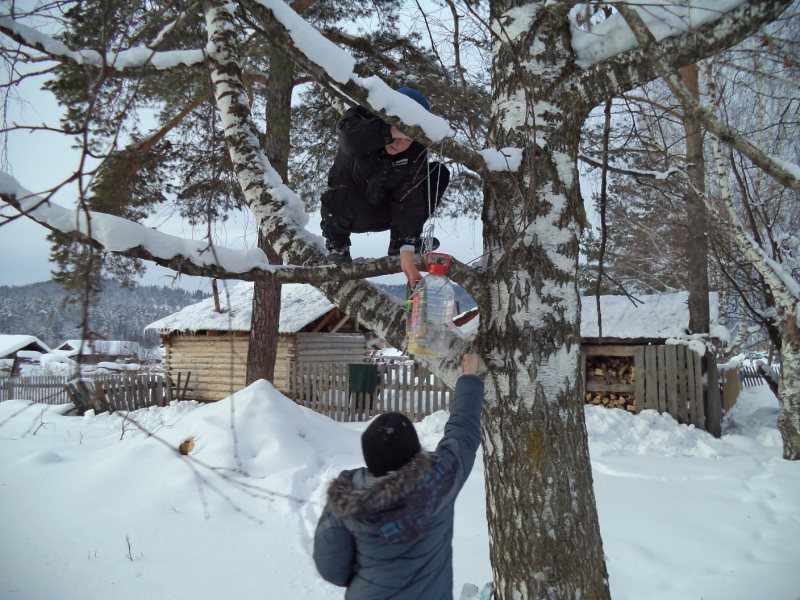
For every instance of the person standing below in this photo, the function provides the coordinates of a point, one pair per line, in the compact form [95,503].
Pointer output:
[380,180]
[387,529]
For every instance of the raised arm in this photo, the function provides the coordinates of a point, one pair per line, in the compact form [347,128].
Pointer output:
[462,433]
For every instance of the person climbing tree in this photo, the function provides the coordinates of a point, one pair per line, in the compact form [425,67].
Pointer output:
[381,180]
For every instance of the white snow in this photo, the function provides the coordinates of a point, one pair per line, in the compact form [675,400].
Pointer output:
[659,316]
[502,159]
[118,234]
[10,343]
[300,304]
[113,366]
[664,19]
[135,57]
[93,508]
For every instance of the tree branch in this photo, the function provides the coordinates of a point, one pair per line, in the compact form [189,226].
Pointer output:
[724,133]
[194,262]
[600,164]
[353,91]
[628,70]
[130,61]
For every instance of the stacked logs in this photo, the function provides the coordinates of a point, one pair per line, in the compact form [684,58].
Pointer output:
[603,372]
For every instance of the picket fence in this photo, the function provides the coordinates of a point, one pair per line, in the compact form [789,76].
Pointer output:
[100,392]
[324,387]
[751,376]
[406,388]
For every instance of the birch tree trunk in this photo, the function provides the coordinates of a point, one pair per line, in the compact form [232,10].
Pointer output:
[789,388]
[531,222]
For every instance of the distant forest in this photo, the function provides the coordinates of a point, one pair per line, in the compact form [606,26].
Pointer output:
[120,313]
[39,309]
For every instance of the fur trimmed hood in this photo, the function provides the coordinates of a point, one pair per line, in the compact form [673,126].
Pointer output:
[398,506]
[354,493]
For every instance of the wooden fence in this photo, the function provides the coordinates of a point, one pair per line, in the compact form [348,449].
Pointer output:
[101,393]
[328,388]
[673,383]
[751,376]
[45,389]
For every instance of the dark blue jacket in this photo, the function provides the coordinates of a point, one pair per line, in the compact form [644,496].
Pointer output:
[391,536]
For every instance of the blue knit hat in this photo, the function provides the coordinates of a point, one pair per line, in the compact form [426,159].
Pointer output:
[416,97]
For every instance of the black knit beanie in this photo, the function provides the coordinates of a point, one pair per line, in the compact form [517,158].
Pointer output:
[388,443]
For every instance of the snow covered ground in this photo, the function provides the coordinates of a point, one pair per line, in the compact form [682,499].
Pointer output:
[95,508]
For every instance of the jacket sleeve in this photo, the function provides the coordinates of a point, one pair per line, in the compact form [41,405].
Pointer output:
[360,132]
[462,433]
[334,549]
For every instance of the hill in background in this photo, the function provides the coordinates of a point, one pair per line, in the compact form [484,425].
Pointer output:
[120,313]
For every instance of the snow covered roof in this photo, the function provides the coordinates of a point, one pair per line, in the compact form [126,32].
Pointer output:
[9,344]
[300,305]
[72,347]
[109,347]
[658,316]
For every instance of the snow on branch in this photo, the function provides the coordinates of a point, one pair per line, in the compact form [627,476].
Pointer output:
[685,33]
[339,66]
[333,69]
[131,59]
[502,159]
[784,173]
[613,36]
[188,257]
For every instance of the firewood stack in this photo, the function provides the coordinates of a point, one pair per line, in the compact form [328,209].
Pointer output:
[606,373]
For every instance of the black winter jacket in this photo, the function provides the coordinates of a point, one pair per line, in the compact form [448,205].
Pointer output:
[371,190]
[391,536]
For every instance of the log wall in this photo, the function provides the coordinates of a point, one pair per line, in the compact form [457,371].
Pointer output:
[218,363]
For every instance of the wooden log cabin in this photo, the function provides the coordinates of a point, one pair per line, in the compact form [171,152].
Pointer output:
[210,347]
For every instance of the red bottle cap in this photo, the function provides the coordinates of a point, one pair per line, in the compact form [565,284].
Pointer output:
[438,263]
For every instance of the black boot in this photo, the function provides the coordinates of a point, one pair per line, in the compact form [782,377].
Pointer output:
[339,255]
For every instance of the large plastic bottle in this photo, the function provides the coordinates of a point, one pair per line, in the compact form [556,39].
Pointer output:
[432,305]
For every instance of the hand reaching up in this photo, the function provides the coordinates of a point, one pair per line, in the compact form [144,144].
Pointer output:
[469,364]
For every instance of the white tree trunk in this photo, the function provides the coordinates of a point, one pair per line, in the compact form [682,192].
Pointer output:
[540,500]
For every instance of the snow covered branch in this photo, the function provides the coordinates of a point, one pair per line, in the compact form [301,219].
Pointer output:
[684,34]
[787,174]
[186,257]
[130,60]
[785,289]
[334,70]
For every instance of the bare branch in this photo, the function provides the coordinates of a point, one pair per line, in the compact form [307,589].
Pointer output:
[638,173]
